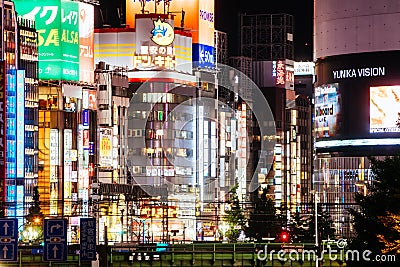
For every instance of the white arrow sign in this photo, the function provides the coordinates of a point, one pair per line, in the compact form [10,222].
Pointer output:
[55,251]
[5,226]
[57,226]
[5,249]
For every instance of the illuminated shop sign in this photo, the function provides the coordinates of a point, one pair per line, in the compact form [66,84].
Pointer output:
[203,55]
[359,72]
[59,37]
[20,123]
[154,45]
[105,147]
[284,74]
[85,117]
[280,72]
[11,121]
[155,57]
[304,68]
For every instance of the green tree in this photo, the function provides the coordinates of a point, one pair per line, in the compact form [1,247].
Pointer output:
[263,221]
[298,227]
[234,216]
[325,227]
[376,220]
[32,231]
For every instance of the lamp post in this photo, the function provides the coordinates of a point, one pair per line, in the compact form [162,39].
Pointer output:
[122,225]
[316,199]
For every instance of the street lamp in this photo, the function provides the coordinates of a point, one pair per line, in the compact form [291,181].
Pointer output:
[316,199]
[122,225]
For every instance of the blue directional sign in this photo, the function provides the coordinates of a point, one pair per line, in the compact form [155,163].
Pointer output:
[8,239]
[55,240]
[88,239]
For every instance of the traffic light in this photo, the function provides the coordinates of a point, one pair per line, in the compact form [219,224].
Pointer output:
[284,237]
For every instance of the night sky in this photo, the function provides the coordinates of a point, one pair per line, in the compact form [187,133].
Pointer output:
[227,19]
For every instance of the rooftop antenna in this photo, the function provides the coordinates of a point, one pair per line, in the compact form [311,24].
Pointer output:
[142,5]
[156,2]
[166,6]
[182,16]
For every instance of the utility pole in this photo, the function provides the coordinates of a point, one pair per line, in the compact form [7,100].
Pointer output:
[316,199]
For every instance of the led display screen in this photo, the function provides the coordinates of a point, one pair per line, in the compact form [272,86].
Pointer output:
[364,112]
[384,107]
[327,110]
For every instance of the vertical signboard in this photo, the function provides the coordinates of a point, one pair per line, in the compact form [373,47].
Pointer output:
[20,123]
[20,202]
[54,162]
[68,156]
[70,40]
[105,157]
[86,43]
[88,239]
[47,16]
[55,240]
[203,44]
[2,132]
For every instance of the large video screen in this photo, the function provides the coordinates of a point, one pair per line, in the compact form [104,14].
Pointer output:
[384,104]
[367,107]
[328,113]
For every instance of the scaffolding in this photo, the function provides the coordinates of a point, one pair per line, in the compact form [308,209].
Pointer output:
[221,47]
[267,36]
[244,65]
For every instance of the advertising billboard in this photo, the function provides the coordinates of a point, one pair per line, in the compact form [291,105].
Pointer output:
[86,43]
[327,116]
[58,26]
[198,17]
[384,109]
[154,43]
[369,101]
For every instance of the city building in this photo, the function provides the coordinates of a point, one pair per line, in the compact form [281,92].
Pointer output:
[60,95]
[28,76]
[267,40]
[355,99]
[12,167]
